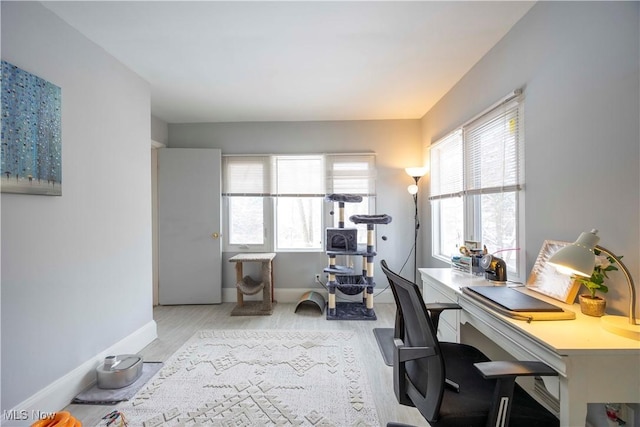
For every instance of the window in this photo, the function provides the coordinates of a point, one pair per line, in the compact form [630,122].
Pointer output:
[352,175]
[447,209]
[277,202]
[477,178]
[246,179]
[299,194]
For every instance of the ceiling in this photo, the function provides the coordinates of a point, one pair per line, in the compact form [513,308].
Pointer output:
[215,61]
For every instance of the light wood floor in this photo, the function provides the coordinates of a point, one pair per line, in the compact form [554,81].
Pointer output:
[176,324]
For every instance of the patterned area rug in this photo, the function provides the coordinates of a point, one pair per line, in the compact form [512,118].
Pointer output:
[258,378]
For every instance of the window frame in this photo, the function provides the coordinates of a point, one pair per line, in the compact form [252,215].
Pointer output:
[280,195]
[266,208]
[471,210]
[270,199]
[369,194]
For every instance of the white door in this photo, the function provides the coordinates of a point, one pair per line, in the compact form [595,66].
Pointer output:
[189,244]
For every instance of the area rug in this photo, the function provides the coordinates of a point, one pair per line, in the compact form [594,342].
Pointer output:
[258,378]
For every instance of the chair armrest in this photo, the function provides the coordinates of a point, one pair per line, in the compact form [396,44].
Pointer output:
[435,309]
[441,306]
[505,374]
[411,353]
[506,369]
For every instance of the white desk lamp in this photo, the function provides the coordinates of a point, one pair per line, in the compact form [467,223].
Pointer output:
[579,259]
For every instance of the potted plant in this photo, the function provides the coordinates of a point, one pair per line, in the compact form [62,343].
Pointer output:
[591,304]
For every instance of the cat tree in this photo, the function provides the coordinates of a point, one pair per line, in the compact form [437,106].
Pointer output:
[343,242]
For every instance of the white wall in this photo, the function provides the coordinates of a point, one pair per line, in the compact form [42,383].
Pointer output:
[76,269]
[159,135]
[578,63]
[397,144]
[159,130]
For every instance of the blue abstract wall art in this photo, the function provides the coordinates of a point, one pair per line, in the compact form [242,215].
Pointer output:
[31,134]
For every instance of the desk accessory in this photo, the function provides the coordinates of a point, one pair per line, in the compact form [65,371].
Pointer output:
[463,263]
[495,269]
[515,304]
[545,279]
[513,300]
[579,259]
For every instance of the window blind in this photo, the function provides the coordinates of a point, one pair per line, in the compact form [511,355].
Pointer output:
[493,153]
[482,157]
[245,176]
[351,174]
[298,176]
[446,167]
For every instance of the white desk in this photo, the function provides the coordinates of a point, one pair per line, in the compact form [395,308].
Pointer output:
[594,365]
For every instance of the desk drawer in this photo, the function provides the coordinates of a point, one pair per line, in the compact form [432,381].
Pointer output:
[434,292]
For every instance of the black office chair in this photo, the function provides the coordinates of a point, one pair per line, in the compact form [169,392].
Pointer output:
[487,394]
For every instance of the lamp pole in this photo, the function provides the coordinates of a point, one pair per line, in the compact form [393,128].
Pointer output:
[630,284]
[416,174]
[416,223]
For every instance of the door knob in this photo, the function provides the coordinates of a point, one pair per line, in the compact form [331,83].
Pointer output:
[215,235]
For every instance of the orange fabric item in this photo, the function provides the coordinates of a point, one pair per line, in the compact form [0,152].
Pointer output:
[59,419]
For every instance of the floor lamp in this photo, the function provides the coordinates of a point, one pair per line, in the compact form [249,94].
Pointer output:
[385,336]
[416,173]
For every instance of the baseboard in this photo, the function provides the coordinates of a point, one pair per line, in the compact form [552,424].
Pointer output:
[292,295]
[59,393]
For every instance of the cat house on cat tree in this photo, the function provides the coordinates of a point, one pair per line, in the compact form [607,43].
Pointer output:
[343,243]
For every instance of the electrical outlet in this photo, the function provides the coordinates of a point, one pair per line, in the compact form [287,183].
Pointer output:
[317,277]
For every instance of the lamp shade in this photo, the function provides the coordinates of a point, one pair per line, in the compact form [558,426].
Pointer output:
[412,189]
[416,172]
[577,258]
